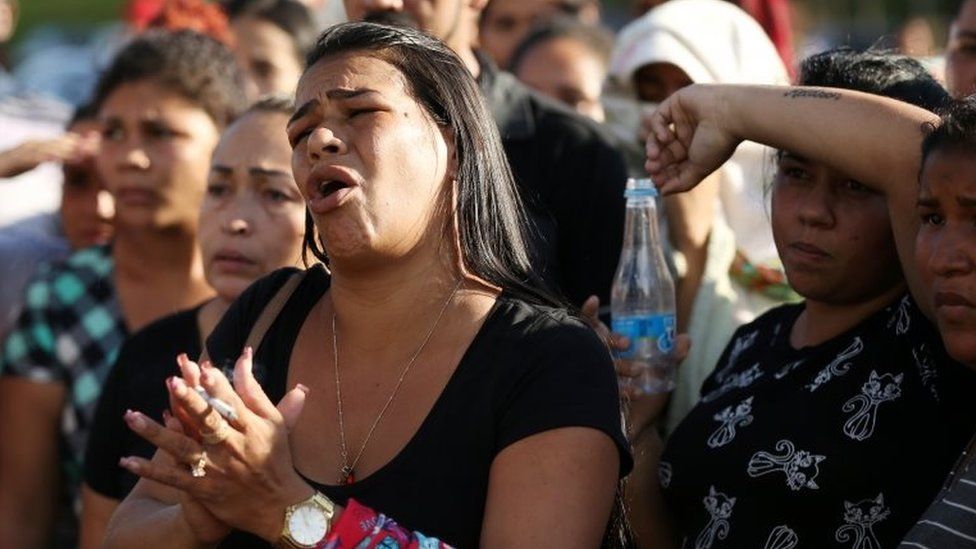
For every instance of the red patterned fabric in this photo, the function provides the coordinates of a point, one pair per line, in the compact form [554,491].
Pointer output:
[775,18]
[360,527]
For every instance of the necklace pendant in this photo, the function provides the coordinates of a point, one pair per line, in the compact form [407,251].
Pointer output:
[348,477]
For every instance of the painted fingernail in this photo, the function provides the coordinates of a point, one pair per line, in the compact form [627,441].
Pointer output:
[178,386]
[135,420]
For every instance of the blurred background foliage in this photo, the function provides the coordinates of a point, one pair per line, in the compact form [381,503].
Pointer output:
[66,12]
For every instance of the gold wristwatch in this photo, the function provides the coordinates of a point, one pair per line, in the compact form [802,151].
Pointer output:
[307,522]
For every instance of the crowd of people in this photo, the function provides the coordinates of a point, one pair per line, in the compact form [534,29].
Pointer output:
[312,283]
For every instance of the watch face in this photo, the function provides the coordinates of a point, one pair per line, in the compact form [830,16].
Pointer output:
[308,525]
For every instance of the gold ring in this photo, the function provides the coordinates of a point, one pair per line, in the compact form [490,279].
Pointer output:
[218,435]
[199,469]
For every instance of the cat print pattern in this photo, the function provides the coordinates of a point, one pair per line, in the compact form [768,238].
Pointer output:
[859,519]
[782,537]
[730,418]
[839,366]
[800,466]
[740,380]
[878,389]
[719,507]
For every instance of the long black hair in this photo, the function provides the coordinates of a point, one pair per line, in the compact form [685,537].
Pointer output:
[490,216]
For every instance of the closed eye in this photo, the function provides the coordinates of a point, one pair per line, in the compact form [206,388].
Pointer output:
[855,186]
[358,112]
[217,190]
[276,195]
[296,137]
[795,173]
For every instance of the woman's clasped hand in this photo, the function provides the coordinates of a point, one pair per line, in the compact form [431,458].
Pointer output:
[684,142]
[231,470]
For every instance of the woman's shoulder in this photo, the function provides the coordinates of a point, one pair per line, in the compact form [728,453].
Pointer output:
[256,297]
[531,324]
[551,370]
[68,280]
[526,341]
[179,329]
[765,328]
[232,330]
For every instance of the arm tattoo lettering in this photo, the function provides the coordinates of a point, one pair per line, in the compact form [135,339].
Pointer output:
[815,94]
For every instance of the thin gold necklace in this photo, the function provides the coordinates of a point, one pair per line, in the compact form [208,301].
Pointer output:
[347,471]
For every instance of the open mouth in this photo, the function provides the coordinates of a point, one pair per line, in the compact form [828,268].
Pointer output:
[329,187]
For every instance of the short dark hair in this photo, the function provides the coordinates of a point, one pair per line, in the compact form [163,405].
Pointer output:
[596,39]
[876,72]
[82,113]
[291,16]
[191,64]
[955,131]
[490,215]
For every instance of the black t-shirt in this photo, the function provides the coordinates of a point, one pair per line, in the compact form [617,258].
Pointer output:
[528,370]
[842,444]
[137,382]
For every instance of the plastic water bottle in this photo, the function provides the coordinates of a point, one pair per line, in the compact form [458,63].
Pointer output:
[642,299]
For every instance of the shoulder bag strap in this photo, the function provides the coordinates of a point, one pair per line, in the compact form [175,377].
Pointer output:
[268,315]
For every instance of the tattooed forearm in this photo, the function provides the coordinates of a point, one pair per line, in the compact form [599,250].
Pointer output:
[815,94]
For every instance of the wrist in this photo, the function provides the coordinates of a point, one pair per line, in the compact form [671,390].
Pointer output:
[293,494]
[308,523]
[193,535]
[729,109]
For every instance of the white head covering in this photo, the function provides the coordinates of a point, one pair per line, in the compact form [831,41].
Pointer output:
[714,42]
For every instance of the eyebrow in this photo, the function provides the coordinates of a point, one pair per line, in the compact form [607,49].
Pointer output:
[269,172]
[302,111]
[932,202]
[334,94]
[256,171]
[795,157]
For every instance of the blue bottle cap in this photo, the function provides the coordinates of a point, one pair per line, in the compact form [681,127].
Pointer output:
[640,188]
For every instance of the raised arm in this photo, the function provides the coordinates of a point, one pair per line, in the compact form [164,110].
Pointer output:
[875,140]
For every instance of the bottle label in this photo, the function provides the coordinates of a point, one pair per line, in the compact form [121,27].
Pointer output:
[648,334]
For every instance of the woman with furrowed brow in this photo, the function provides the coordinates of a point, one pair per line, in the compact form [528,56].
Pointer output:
[423,379]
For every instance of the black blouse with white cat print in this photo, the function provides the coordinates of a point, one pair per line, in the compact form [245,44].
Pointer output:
[843,444]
